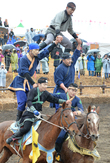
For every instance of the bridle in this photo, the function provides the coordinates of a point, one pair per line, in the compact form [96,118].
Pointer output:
[87,136]
[68,125]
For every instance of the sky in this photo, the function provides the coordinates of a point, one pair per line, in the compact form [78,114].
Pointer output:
[90,17]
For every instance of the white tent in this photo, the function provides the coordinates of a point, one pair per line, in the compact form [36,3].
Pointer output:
[19,30]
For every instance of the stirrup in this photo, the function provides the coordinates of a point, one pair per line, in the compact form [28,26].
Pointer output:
[58,157]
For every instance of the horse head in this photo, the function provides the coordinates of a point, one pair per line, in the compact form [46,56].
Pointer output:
[68,119]
[93,123]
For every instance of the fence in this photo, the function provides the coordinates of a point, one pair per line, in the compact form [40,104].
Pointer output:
[103,86]
[81,87]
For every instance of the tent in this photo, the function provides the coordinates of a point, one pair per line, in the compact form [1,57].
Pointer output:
[20,30]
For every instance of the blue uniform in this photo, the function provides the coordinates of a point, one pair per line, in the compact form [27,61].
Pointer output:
[65,74]
[76,102]
[20,84]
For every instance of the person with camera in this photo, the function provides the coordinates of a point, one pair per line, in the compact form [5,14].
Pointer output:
[106,66]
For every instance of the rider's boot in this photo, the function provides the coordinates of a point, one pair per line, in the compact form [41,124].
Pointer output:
[19,114]
[15,136]
[58,150]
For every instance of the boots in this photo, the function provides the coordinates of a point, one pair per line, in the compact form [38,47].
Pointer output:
[42,45]
[58,144]
[19,114]
[15,136]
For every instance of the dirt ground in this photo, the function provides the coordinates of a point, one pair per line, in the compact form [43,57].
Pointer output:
[90,96]
[103,144]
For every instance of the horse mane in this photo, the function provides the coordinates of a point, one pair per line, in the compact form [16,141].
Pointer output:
[49,119]
[80,120]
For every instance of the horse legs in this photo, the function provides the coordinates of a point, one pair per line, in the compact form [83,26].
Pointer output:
[6,155]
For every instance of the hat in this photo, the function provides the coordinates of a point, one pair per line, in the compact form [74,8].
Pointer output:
[33,46]
[42,80]
[66,55]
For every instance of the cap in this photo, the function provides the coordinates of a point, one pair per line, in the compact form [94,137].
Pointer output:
[42,80]
[33,46]
[66,55]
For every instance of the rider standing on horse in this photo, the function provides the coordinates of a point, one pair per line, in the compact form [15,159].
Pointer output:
[36,97]
[60,23]
[23,82]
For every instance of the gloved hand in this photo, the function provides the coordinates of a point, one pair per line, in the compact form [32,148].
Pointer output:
[36,112]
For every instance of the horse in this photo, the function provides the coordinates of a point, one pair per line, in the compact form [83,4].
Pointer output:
[81,147]
[48,133]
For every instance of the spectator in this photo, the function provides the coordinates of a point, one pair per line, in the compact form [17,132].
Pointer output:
[0,22]
[14,61]
[90,64]
[3,72]
[32,34]
[95,56]
[19,53]
[1,55]
[1,38]
[98,65]
[8,56]
[9,41]
[45,67]
[82,64]
[77,67]
[5,38]
[13,39]
[11,33]
[106,65]
[6,23]
[27,36]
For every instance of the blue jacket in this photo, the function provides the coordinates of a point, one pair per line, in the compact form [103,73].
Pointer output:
[61,71]
[90,63]
[76,102]
[20,82]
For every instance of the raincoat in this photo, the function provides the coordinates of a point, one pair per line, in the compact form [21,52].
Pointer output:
[90,63]
[98,64]
[14,61]
[3,77]
[106,65]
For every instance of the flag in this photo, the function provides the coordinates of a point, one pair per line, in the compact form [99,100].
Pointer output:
[79,75]
[35,148]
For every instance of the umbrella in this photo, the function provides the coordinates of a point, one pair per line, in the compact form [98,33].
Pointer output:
[4,29]
[7,46]
[37,37]
[93,50]
[20,43]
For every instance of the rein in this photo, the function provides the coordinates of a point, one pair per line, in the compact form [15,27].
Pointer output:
[65,120]
[61,120]
[87,136]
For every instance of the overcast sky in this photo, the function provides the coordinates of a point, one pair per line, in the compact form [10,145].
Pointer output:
[39,13]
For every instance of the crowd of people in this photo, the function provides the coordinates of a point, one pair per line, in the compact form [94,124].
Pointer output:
[35,94]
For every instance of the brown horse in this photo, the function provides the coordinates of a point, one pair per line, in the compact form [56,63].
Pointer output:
[84,140]
[48,134]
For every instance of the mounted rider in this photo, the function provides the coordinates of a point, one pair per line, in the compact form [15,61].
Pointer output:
[36,97]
